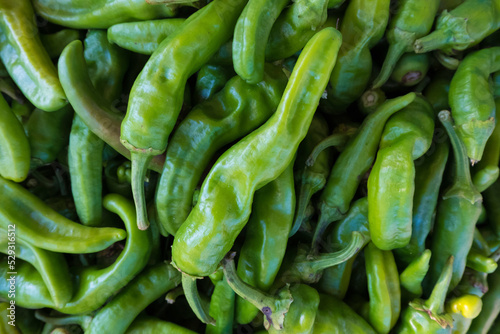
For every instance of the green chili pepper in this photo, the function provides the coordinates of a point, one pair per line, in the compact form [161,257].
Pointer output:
[457,213]
[26,321]
[52,266]
[222,304]
[362,27]
[26,59]
[148,286]
[39,225]
[410,69]
[210,80]
[429,316]
[413,19]
[232,113]
[56,42]
[95,112]
[99,14]
[472,102]
[336,317]
[437,90]
[491,306]
[371,100]
[268,228]
[150,325]
[463,309]
[480,262]
[406,137]
[353,163]
[156,97]
[251,35]
[383,288]
[15,152]
[428,177]
[412,277]
[294,27]
[465,26]
[143,37]
[213,225]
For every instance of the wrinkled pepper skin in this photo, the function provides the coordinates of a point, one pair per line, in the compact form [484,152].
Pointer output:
[413,19]
[383,288]
[213,225]
[148,286]
[463,27]
[457,214]
[250,37]
[491,306]
[428,178]
[157,94]
[474,112]
[25,58]
[336,317]
[150,325]
[391,184]
[143,36]
[15,151]
[235,111]
[98,14]
[262,252]
[39,225]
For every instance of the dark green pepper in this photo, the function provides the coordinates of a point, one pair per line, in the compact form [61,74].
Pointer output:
[210,80]
[222,305]
[410,69]
[56,42]
[150,325]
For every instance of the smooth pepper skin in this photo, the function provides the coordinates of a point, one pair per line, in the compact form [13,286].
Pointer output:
[25,58]
[56,42]
[411,69]
[235,111]
[473,112]
[383,288]
[210,80]
[262,252]
[150,325]
[148,286]
[143,36]
[353,163]
[391,184]
[98,14]
[464,310]
[222,308]
[157,94]
[250,37]
[38,224]
[457,214]
[213,225]
[15,151]
[465,26]
[413,19]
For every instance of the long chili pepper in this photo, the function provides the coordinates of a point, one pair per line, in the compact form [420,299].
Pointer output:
[473,112]
[157,95]
[413,19]
[39,225]
[406,137]
[457,213]
[352,164]
[26,59]
[268,228]
[222,307]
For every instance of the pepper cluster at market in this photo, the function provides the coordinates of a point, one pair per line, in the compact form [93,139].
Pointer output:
[249,166]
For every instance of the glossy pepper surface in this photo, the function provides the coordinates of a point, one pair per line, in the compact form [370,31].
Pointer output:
[209,231]
[222,307]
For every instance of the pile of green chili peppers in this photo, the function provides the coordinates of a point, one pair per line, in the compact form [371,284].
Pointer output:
[249,166]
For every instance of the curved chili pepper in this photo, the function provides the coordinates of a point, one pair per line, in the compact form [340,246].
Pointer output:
[15,152]
[213,225]
[222,305]
[157,95]
[143,36]
[56,42]
[478,261]
[383,288]
[491,307]
[353,163]
[232,113]
[413,19]
[406,137]
[412,277]
[210,80]
[150,325]
[98,14]
[26,59]
[457,213]
[410,69]
[462,27]
[268,228]
[473,112]
[88,103]
[39,225]
[148,286]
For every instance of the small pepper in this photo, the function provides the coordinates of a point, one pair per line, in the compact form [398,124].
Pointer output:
[463,309]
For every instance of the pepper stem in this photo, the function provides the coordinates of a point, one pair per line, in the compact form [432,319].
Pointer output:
[273,308]
[140,161]
[81,320]
[335,139]
[304,198]
[435,40]
[393,54]
[325,218]
[435,303]
[173,294]
[199,308]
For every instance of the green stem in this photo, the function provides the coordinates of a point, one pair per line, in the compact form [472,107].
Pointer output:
[325,218]
[435,40]
[393,54]
[448,62]
[193,298]
[335,139]
[140,161]
[173,294]
[273,308]
[435,303]
[81,320]
[304,198]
